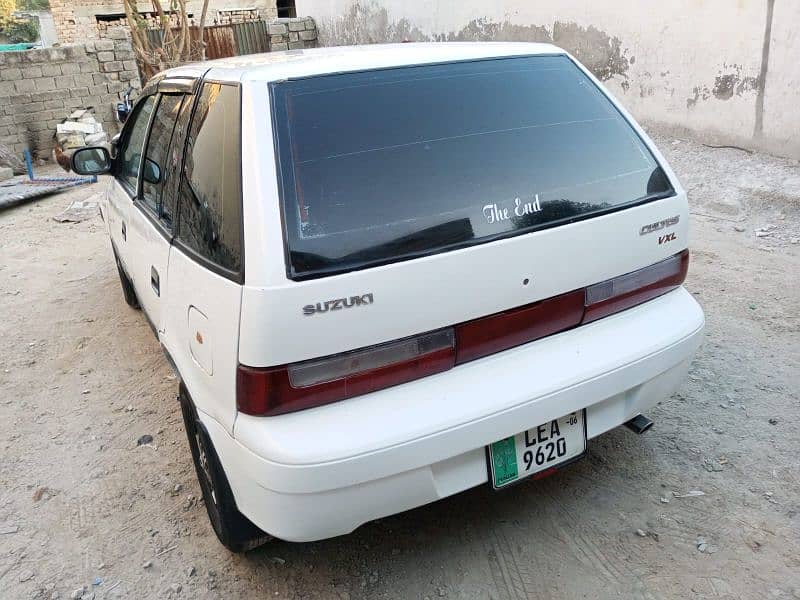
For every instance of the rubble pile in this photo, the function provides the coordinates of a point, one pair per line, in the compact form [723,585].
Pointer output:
[80,129]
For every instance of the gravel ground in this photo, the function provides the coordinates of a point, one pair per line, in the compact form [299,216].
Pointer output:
[82,378]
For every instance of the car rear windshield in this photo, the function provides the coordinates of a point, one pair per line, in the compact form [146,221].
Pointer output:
[392,164]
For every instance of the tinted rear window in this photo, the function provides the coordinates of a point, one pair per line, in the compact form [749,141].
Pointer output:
[387,165]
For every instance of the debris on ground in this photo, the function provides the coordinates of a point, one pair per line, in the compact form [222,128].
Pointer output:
[689,494]
[78,211]
[144,440]
[26,576]
[80,129]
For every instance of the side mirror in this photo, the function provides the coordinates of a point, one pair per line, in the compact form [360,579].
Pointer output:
[93,160]
[151,172]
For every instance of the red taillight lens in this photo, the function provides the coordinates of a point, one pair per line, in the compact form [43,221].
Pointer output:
[502,331]
[314,383]
[614,295]
[278,390]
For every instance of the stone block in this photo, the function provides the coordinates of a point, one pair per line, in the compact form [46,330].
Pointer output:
[76,127]
[33,71]
[124,55]
[296,45]
[277,29]
[117,33]
[105,56]
[98,90]
[297,25]
[130,65]
[307,36]
[54,104]
[99,78]
[10,58]
[309,23]
[79,92]
[114,65]
[65,82]
[45,83]
[51,70]
[7,88]
[32,107]
[293,37]
[279,46]
[89,66]
[278,39]
[74,52]
[45,96]
[70,68]
[104,45]
[72,103]
[83,80]
[26,85]
[116,86]
[6,173]
[10,74]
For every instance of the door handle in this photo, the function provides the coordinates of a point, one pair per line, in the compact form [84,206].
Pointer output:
[124,232]
[154,281]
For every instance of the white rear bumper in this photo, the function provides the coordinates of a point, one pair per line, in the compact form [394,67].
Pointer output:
[323,472]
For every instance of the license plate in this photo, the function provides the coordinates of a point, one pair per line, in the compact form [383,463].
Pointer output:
[537,449]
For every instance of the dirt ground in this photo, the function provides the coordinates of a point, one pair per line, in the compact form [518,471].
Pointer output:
[82,378]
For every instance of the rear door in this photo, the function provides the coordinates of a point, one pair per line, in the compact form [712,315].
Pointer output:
[206,267]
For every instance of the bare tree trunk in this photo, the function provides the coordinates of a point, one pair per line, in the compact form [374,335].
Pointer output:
[201,30]
[176,43]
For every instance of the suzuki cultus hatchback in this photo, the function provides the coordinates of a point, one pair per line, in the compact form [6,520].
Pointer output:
[388,274]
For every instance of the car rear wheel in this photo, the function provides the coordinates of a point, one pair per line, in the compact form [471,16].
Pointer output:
[127,286]
[235,531]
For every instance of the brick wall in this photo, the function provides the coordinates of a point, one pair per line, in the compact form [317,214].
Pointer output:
[40,88]
[75,20]
[292,34]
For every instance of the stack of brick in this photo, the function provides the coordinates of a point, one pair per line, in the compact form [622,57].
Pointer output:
[292,34]
[41,88]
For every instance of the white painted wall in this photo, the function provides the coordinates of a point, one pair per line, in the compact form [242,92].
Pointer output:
[691,65]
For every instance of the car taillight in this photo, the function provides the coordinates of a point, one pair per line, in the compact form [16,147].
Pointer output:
[505,330]
[288,388]
[274,391]
[614,295]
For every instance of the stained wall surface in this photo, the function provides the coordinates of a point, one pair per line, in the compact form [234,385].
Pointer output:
[724,71]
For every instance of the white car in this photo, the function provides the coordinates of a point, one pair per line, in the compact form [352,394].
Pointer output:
[387,274]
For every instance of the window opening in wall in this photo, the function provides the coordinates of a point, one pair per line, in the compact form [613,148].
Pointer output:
[286,9]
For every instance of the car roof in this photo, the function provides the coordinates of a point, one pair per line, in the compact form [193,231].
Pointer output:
[289,64]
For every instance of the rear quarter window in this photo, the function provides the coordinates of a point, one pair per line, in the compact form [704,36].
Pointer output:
[393,164]
[210,203]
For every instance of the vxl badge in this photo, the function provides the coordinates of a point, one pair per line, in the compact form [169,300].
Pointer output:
[337,304]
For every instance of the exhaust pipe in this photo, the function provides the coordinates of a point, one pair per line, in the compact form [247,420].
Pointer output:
[639,424]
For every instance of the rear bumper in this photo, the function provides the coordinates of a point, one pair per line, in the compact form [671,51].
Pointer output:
[323,472]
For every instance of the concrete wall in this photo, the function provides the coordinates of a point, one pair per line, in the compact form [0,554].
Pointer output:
[40,88]
[723,71]
[76,19]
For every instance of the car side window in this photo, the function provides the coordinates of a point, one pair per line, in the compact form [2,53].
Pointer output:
[210,196]
[157,154]
[130,153]
[172,179]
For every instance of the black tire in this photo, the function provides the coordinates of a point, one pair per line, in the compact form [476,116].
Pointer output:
[127,286]
[235,531]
